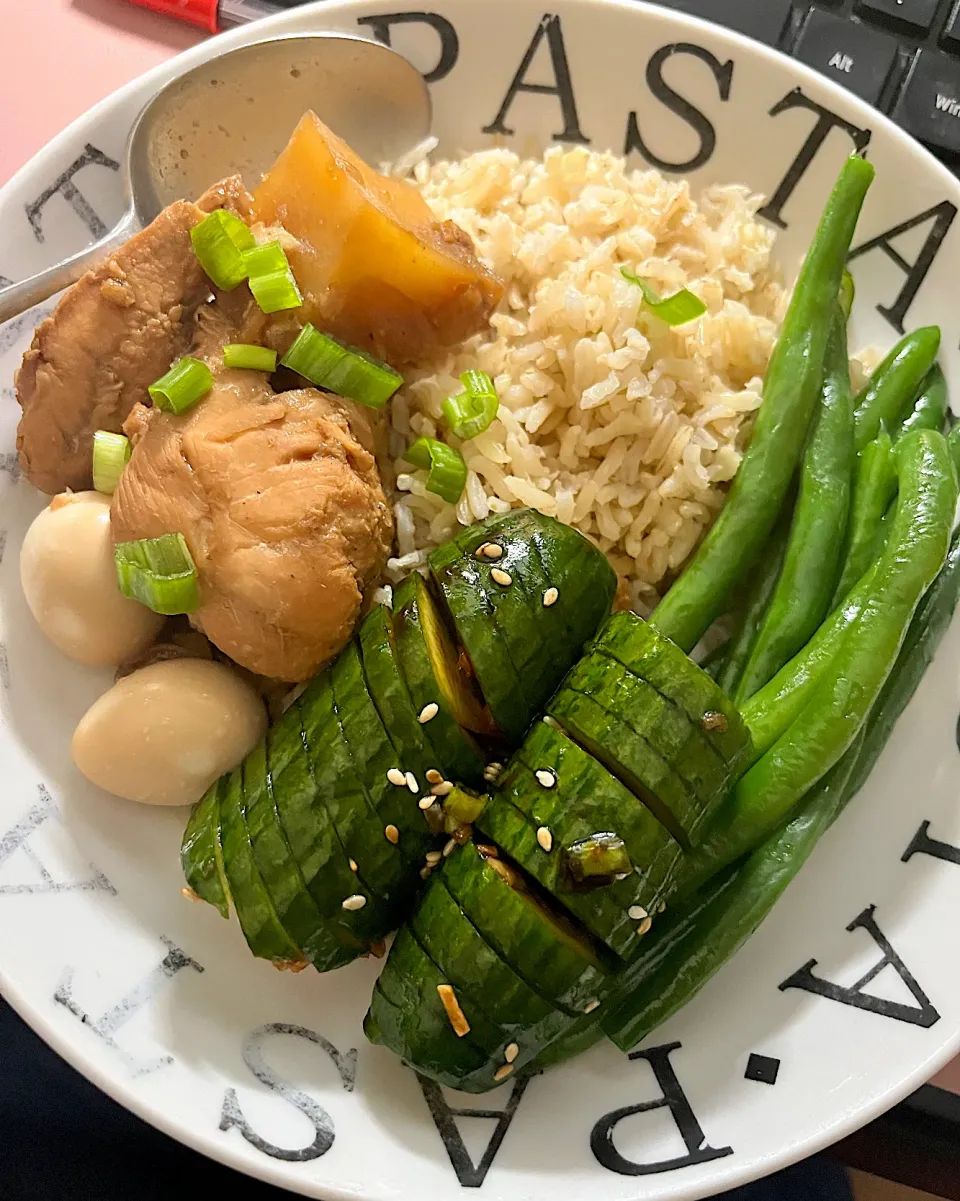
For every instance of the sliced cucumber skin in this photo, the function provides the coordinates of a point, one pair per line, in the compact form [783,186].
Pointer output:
[585,800]
[632,760]
[482,981]
[392,698]
[311,837]
[261,927]
[414,1022]
[371,756]
[523,657]
[665,727]
[384,865]
[646,652]
[359,834]
[198,851]
[295,907]
[459,756]
[521,937]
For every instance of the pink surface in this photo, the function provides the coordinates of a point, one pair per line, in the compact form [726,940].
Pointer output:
[60,57]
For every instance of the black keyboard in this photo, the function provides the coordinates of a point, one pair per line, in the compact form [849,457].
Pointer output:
[903,56]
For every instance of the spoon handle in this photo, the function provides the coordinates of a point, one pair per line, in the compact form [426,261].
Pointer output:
[17,298]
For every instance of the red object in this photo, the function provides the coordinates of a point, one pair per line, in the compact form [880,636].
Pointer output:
[195,12]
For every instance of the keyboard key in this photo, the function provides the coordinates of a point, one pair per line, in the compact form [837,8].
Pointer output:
[919,13]
[848,52]
[952,31]
[760,19]
[929,106]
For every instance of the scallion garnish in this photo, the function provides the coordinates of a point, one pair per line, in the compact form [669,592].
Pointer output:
[110,455]
[159,573]
[471,411]
[271,280]
[183,385]
[447,470]
[678,309]
[219,242]
[342,369]
[463,806]
[250,358]
[598,860]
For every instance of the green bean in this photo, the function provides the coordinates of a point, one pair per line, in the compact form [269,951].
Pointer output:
[891,389]
[930,407]
[812,561]
[762,586]
[791,391]
[875,487]
[848,293]
[844,696]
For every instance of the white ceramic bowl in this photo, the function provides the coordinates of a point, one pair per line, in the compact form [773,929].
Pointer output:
[159,1002]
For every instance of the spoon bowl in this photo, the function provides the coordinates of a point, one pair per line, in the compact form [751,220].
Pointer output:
[234,113]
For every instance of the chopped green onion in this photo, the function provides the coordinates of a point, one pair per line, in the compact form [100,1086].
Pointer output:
[597,861]
[159,573]
[219,242]
[251,358]
[271,280]
[463,807]
[447,470]
[342,369]
[110,455]
[183,385]
[678,309]
[470,412]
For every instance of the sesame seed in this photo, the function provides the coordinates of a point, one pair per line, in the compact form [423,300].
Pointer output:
[490,550]
[353,865]
[492,771]
[425,873]
[662,907]
[355,902]
[458,1019]
[396,776]
[546,778]
[449,848]
[503,578]
[511,1052]
[434,857]
[444,788]
[636,913]
[545,838]
[393,834]
[644,927]
[434,776]
[428,712]
[411,780]
[426,801]
[503,1073]
[591,1006]
[550,597]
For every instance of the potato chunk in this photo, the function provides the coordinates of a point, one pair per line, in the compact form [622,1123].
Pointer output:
[376,267]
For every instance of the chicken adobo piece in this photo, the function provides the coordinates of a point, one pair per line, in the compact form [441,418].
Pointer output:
[273,484]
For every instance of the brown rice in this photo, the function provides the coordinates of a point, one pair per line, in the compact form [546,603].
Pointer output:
[609,420]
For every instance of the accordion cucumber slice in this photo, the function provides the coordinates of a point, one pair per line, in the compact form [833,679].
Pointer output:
[522,613]
[551,801]
[552,955]
[428,661]
[200,854]
[648,654]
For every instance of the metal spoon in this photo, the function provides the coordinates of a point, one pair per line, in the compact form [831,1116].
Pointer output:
[234,113]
